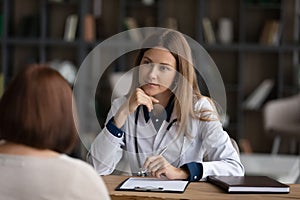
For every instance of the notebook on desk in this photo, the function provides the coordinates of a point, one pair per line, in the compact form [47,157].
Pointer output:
[152,185]
[248,184]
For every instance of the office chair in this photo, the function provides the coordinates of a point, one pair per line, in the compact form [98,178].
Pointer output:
[282,120]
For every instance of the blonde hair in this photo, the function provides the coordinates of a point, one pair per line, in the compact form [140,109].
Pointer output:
[187,83]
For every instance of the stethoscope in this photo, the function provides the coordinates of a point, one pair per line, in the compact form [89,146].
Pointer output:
[136,138]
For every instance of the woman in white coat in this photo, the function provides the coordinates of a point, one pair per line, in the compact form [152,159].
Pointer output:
[164,126]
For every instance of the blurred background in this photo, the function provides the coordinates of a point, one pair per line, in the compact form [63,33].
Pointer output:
[254,43]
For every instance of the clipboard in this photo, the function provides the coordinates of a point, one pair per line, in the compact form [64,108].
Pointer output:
[142,184]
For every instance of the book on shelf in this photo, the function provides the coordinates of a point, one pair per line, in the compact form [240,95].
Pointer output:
[259,95]
[134,35]
[71,27]
[276,33]
[1,24]
[89,34]
[171,23]
[209,34]
[270,33]
[1,84]
[249,184]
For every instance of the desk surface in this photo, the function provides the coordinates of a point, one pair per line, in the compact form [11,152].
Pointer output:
[195,190]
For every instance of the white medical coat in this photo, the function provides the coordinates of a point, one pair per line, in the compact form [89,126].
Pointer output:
[208,144]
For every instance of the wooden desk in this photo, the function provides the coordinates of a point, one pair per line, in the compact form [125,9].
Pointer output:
[195,190]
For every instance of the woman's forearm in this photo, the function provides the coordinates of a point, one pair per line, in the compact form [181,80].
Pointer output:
[121,116]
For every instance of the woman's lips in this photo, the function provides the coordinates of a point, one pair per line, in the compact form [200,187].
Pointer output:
[152,85]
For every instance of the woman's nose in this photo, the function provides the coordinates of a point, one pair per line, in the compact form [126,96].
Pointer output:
[153,72]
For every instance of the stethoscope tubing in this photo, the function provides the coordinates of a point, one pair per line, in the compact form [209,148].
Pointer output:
[136,137]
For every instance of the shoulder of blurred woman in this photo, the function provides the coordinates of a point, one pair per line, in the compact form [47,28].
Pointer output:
[86,178]
[75,162]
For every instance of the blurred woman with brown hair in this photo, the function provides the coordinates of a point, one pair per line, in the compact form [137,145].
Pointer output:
[37,129]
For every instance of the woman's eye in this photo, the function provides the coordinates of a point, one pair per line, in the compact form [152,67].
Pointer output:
[146,63]
[163,68]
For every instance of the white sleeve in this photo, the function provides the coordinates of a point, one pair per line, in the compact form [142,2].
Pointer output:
[106,150]
[222,157]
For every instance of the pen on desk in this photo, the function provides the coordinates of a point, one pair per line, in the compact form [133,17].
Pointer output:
[143,172]
[163,150]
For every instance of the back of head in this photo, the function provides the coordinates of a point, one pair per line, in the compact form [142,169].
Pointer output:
[36,110]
